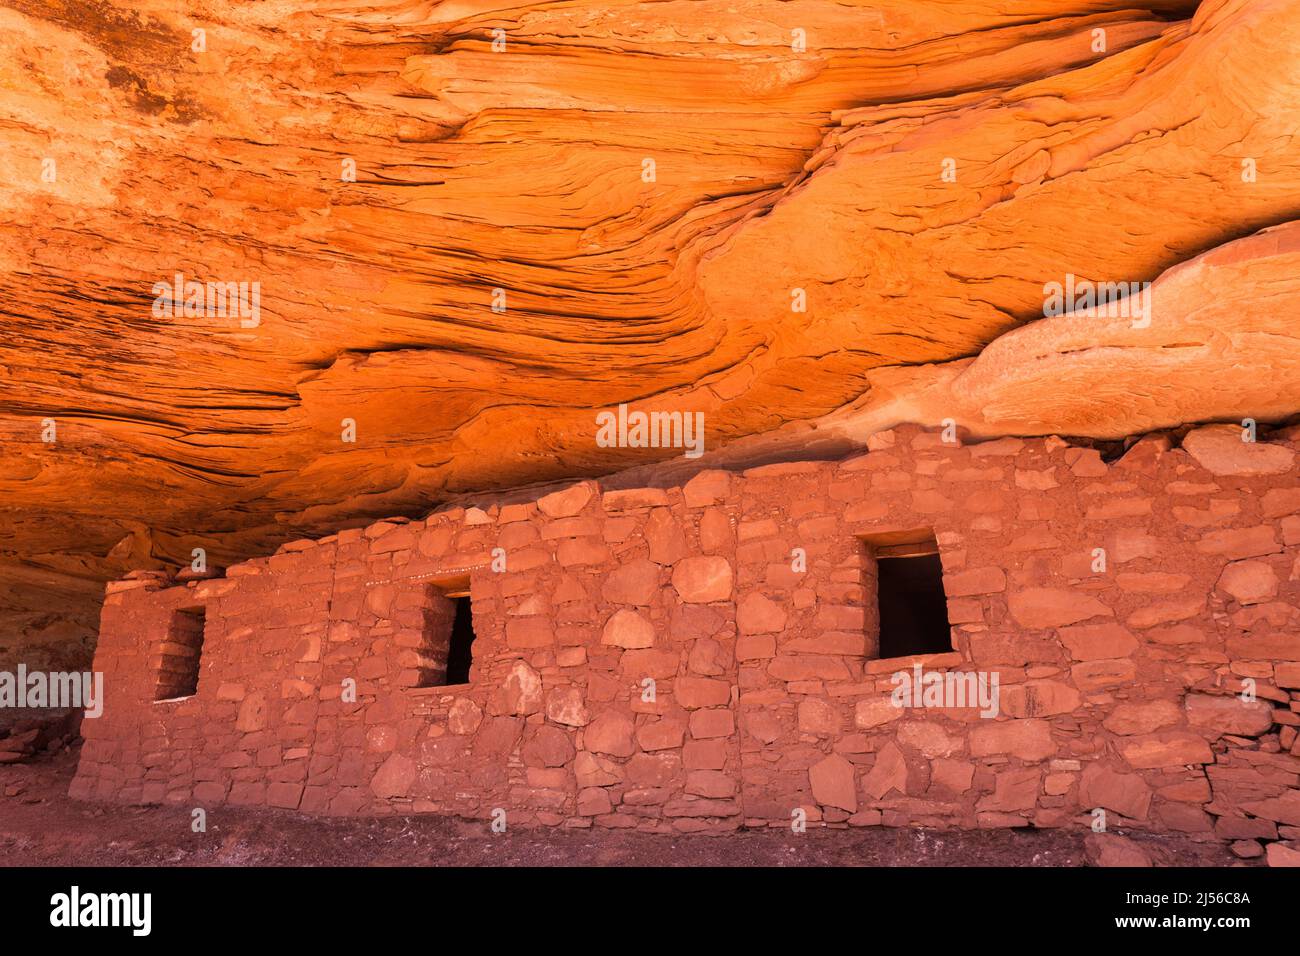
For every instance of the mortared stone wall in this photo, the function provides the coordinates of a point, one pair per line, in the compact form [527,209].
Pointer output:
[704,657]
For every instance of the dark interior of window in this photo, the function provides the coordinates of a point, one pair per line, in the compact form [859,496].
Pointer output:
[460,653]
[178,671]
[913,606]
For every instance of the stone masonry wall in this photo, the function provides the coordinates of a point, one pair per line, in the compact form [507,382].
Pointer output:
[705,657]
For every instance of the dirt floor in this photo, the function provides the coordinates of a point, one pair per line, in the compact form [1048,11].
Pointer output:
[40,826]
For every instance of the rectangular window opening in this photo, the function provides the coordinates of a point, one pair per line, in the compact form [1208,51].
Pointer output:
[461,654]
[180,653]
[446,651]
[912,608]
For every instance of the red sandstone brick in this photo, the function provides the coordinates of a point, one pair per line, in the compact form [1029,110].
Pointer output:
[1124,793]
[635,582]
[705,754]
[840,643]
[610,733]
[706,488]
[975,581]
[581,551]
[655,770]
[1216,715]
[715,531]
[547,746]
[565,528]
[568,501]
[696,692]
[757,647]
[1053,607]
[1142,717]
[759,614]
[665,538]
[1014,790]
[1089,642]
[793,667]
[633,498]
[710,783]
[703,579]
[1237,543]
[965,612]
[593,801]
[871,712]
[564,705]
[833,783]
[888,774]
[664,734]
[287,795]
[1249,582]
[1028,739]
[626,628]
[1165,749]
[1039,698]
[1291,530]
[650,663]
[706,724]
[709,658]
[529,632]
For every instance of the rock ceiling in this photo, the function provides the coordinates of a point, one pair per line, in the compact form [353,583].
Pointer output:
[647,192]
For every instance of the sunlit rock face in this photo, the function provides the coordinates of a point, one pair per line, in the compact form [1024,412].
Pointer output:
[473,229]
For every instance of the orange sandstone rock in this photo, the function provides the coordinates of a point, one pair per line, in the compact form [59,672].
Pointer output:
[464,252]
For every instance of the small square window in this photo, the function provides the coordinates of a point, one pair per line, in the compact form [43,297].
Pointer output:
[911,608]
[179,655]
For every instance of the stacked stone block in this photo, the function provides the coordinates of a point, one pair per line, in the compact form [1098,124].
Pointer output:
[705,657]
